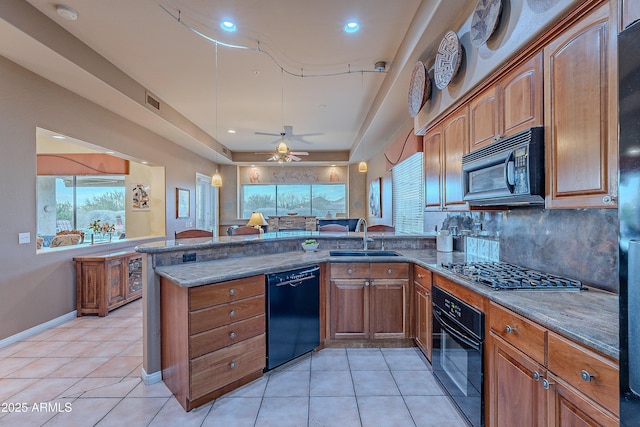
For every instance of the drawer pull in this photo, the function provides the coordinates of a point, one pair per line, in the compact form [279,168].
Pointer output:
[232,365]
[586,376]
[232,335]
[389,271]
[232,292]
[232,313]
[420,276]
[349,271]
[509,329]
[546,384]
[536,375]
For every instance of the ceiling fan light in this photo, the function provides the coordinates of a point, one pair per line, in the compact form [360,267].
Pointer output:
[282,148]
[362,166]
[216,180]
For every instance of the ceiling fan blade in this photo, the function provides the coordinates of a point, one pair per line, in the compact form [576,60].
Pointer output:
[299,153]
[294,158]
[267,133]
[302,135]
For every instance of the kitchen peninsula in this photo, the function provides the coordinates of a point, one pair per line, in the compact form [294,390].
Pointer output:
[586,319]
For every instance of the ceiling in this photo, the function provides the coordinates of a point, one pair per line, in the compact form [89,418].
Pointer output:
[298,68]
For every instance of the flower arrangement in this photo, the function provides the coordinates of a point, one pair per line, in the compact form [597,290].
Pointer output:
[310,242]
[99,227]
[310,245]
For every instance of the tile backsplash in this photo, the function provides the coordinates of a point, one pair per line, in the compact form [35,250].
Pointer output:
[577,243]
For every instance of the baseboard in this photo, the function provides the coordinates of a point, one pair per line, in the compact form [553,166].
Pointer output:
[38,328]
[152,378]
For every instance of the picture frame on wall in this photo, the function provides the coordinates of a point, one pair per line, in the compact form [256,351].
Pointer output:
[375,198]
[183,203]
[140,197]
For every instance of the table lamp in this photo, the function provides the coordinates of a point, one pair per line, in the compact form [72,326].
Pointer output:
[257,220]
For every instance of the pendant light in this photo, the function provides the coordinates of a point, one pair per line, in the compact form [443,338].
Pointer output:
[216,179]
[362,166]
[282,148]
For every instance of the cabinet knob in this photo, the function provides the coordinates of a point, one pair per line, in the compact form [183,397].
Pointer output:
[389,271]
[586,376]
[366,283]
[232,291]
[509,329]
[232,313]
[232,335]
[373,283]
[536,375]
[420,276]
[232,365]
[608,199]
[349,271]
[546,384]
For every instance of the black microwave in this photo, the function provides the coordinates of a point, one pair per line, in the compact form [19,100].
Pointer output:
[509,172]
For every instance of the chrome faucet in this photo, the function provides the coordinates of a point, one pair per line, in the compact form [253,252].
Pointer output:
[365,243]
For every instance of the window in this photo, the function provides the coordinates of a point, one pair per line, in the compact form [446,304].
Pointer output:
[206,204]
[321,200]
[408,195]
[74,202]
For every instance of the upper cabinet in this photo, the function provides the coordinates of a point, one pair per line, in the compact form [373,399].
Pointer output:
[511,105]
[432,145]
[580,91]
[630,12]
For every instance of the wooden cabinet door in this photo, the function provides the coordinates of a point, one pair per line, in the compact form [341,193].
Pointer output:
[630,12]
[516,396]
[350,308]
[455,136]
[422,303]
[581,113]
[432,146]
[388,308]
[483,118]
[116,281]
[520,95]
[570,408]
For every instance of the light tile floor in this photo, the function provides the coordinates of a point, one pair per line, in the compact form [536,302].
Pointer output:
[86,372]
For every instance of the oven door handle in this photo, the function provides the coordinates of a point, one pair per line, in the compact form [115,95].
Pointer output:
[455,332]
[296,282]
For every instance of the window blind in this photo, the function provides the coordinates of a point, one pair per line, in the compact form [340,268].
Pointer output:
[408,195]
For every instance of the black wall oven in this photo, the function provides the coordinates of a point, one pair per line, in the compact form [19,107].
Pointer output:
[458,335]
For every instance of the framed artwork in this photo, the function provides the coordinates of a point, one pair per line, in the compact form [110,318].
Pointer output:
[182,203]
[375,195]
[140,197]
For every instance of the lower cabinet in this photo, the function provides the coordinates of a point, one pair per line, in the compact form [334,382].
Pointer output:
[569,386]
[213,337]
[105,282]
[422,304]
[369,301]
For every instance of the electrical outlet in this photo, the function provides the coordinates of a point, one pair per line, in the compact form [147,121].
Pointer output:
[24,238]
[190,257]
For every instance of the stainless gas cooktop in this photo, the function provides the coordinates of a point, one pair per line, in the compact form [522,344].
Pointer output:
[502,275]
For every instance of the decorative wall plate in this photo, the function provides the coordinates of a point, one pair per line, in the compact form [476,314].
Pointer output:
[485,20]
[447,59]
[419,89]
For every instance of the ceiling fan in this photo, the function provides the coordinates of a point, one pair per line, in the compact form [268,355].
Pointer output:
[288,135]
[284,154]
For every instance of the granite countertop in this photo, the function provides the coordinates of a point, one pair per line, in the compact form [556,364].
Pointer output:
[588,317]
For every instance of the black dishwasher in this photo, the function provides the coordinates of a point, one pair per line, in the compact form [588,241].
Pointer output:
[293,314]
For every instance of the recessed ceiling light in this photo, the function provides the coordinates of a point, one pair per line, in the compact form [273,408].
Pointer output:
[231,131]
[228,26]
[67,12]
[110,152]
[58,137]
[351,27]
[144,162]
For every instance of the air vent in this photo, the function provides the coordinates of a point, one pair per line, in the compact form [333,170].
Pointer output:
[225,151]
[152,101]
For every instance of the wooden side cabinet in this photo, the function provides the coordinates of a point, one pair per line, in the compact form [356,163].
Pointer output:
[105,282]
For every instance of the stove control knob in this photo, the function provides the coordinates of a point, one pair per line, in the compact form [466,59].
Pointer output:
[586,376]
[536,375]
[509,329]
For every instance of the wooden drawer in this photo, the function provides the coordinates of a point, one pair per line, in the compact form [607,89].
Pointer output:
[568,360]
[522,333]
[209,295]
[219,315]
[227,335]
[422,276]
[350,270]
[215,370]
[394,270]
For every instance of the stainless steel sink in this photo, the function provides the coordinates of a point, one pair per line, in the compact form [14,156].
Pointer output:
[363,253]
